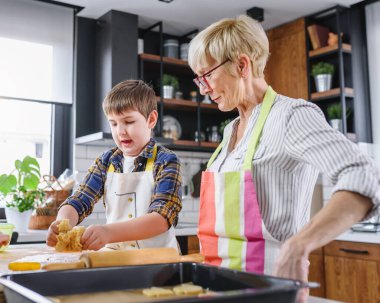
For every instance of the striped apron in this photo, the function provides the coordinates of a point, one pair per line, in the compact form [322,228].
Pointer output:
[231,230]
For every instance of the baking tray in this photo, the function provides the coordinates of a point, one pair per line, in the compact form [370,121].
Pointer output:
[229,285]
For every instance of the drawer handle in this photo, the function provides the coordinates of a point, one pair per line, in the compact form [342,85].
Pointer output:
[354,251]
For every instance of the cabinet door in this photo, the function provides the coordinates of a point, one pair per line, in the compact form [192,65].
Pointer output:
[286,69]
[352,271]
[317,272]
[352,280]
[193,244]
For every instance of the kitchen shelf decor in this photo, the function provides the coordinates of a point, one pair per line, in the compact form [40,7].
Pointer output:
[331,54]
[187,107]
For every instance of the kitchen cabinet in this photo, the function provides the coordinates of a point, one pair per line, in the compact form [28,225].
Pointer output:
[347,271]
[194,116]
[188,244]
[286,69]
[352,271]
[317,272]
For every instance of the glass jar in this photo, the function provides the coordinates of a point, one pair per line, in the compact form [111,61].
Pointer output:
[215,136]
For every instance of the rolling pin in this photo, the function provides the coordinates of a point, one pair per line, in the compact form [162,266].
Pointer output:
[126,257]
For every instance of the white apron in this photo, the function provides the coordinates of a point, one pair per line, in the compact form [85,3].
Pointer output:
[128,196]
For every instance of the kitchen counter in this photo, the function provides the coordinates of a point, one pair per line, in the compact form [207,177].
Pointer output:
[363,237]
[39,236]
[15,252]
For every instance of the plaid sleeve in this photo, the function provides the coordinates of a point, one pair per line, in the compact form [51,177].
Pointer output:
[167,194]
[90,190]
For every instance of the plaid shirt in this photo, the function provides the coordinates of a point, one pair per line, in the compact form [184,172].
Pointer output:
[167,193]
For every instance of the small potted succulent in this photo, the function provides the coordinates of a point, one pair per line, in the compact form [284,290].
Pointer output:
[322,73]
[20,191]
[334,115]
[170,85]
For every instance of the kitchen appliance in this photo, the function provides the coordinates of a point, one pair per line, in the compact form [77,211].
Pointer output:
[226,285]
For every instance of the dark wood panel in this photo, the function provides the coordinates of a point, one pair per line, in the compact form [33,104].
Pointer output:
[286,69]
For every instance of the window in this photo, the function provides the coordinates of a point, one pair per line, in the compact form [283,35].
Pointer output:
[25,129]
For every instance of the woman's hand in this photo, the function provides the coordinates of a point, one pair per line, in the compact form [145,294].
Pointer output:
[4,239]
[95,237]
[293,263]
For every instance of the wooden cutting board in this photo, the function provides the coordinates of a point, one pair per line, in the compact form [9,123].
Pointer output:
[126,257]
[52,260]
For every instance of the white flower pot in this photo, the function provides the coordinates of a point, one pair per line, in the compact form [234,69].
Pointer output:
[323,82]
[168,91]
[336,124]
[20,220]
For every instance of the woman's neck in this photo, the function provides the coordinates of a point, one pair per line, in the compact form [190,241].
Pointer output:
[254,95]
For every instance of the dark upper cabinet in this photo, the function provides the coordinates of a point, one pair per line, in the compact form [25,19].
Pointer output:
[106,53]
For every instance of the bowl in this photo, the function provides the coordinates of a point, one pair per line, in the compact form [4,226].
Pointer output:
[6,229]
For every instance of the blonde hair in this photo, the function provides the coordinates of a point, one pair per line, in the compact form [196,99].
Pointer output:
[227,39]
[130,95]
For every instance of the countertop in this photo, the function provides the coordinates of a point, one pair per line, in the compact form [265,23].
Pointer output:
[39,236]
[363,237]
[189,229]
[15,252]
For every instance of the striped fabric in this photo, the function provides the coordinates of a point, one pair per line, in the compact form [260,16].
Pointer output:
[296,144]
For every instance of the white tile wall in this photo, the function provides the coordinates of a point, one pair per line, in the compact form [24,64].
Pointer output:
[190,164]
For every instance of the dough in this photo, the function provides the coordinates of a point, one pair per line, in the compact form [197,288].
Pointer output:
[68,238]
[157,292]
[188,289]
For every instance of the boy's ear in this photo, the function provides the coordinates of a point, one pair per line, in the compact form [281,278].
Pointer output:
[152,119]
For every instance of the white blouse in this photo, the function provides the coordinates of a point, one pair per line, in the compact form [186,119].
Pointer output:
[297,143]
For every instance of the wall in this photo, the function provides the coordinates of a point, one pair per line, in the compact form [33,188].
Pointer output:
[190,165]
[373,49]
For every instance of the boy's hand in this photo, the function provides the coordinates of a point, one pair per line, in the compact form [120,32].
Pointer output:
[95,237]
[51,239]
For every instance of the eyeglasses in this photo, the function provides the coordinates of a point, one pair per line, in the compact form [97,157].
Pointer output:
[201,81]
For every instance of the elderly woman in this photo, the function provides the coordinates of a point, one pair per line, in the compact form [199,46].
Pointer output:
[257,190]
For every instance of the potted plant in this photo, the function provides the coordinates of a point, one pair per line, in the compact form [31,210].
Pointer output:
[334,115]
[170,84]
[21,193]
[322,73]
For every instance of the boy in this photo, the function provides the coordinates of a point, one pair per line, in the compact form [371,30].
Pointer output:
[140,182]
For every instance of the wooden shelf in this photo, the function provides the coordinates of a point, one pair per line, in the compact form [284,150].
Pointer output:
[185,143]
[332,93]
[179,104]
[329,49]
[156,58]
[210,144]
[209,105]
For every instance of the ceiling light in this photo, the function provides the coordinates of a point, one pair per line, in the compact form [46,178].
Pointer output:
[166,1]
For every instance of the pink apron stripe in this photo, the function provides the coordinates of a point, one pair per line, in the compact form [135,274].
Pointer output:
[207,219]
[252,227]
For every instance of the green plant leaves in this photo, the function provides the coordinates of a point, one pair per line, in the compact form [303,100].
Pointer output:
[8,183]
[322,68]
[30,169]
[23,186]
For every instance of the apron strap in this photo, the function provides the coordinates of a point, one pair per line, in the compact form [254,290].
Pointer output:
[149,164]
[216,152]
[270,96]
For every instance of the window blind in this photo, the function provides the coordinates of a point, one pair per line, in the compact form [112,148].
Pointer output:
[36,51]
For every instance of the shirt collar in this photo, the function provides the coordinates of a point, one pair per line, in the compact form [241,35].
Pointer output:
[148,150]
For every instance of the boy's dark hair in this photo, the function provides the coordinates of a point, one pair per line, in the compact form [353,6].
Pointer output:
[130,95]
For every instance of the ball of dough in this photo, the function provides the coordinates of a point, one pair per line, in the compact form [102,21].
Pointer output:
[68,238]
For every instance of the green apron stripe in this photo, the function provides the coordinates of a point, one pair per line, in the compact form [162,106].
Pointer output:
[269,98]
[232,218]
